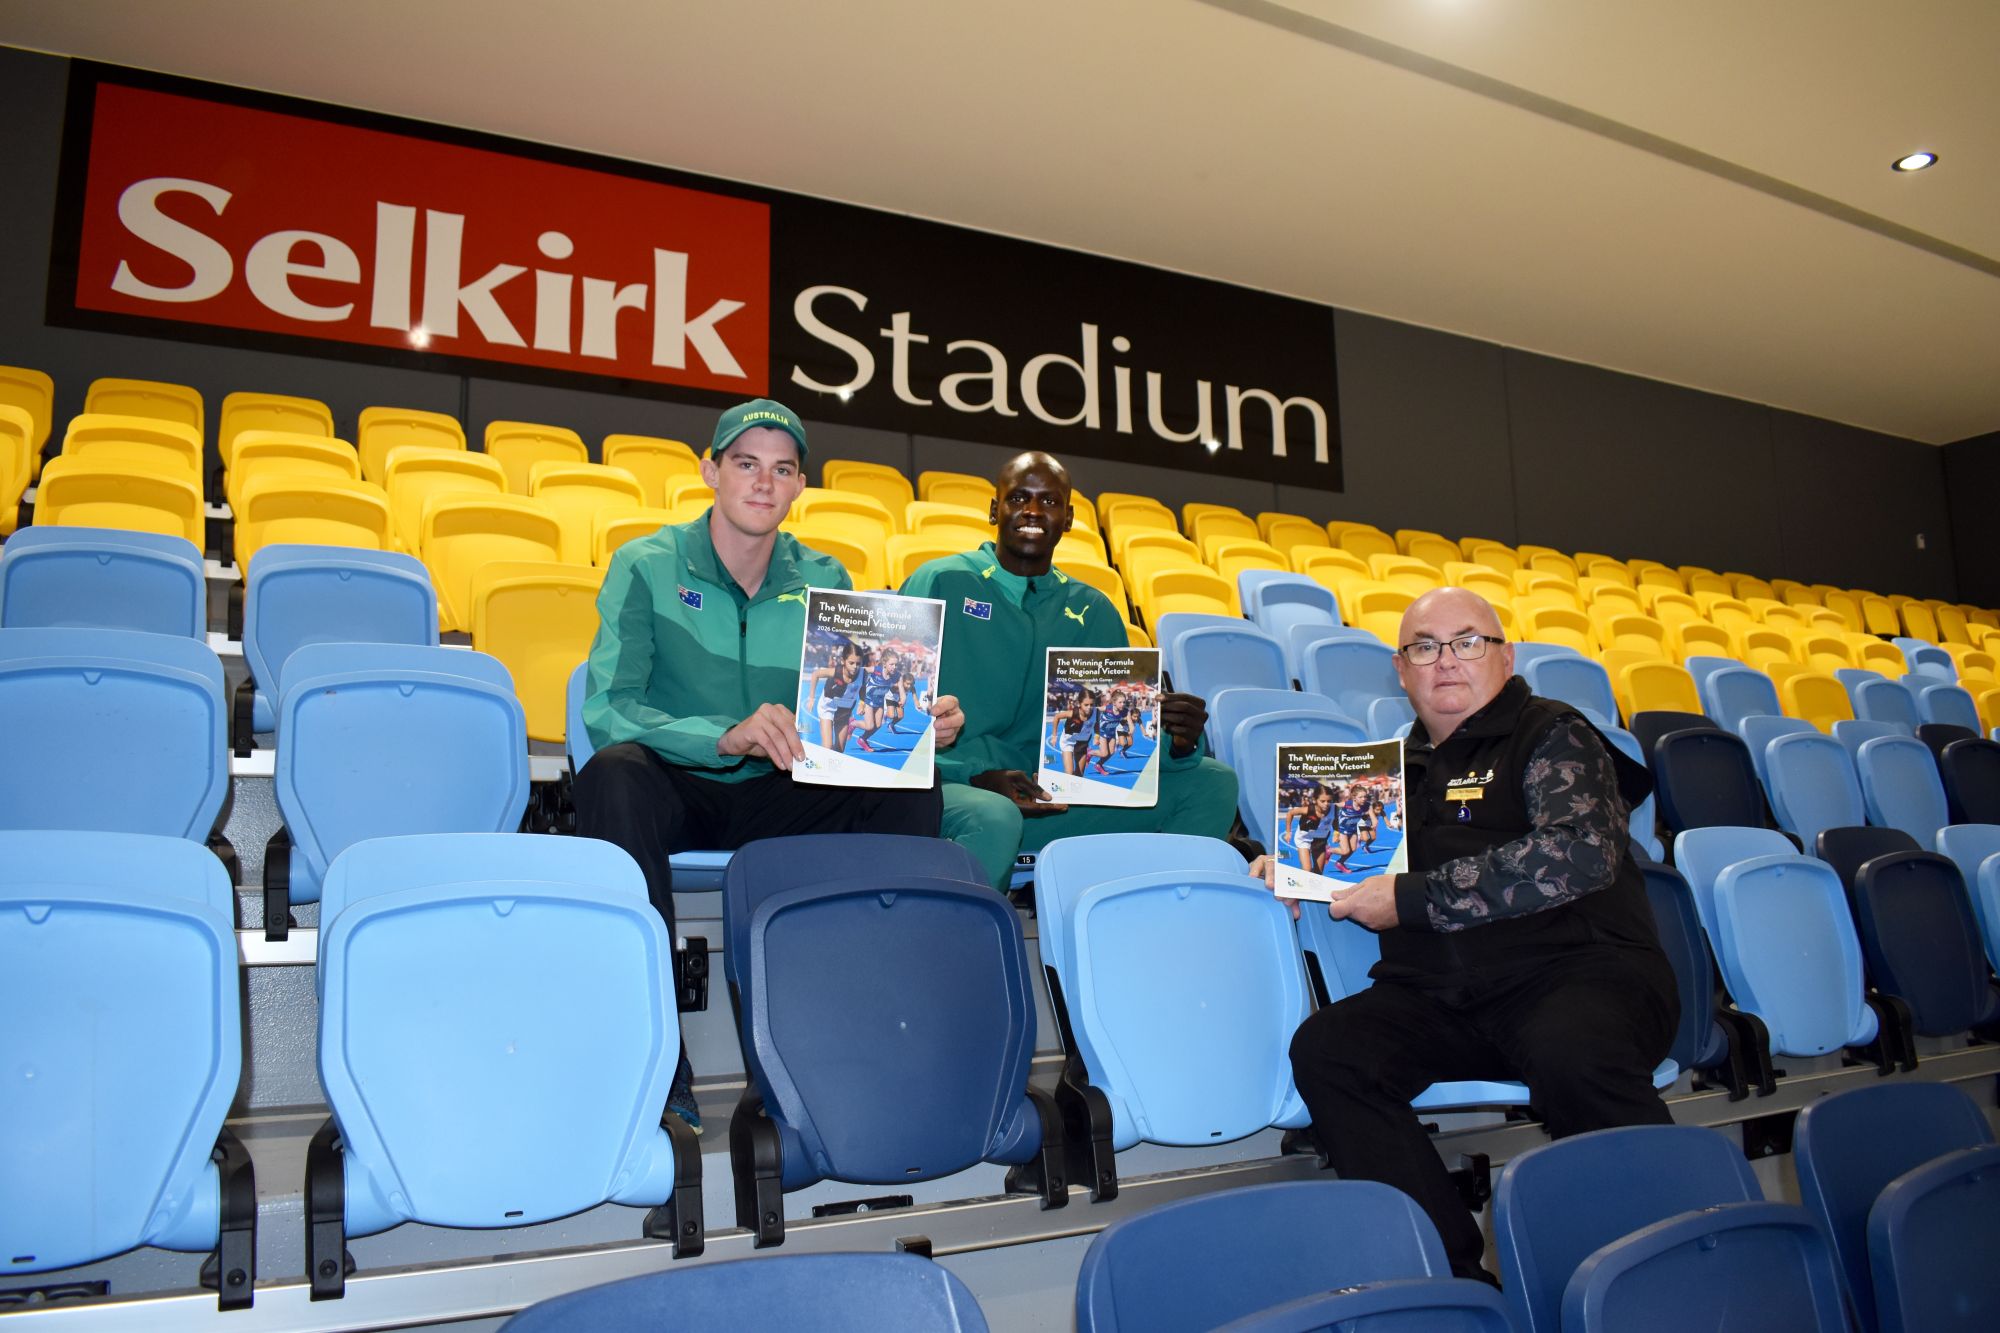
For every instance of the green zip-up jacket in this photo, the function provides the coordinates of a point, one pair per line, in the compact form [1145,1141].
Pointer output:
[683,654]
[998,628]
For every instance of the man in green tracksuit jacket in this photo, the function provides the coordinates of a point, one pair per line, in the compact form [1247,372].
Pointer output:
[695,670]
[1006,605]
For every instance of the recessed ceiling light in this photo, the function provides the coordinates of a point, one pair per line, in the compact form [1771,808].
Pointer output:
[1914,162]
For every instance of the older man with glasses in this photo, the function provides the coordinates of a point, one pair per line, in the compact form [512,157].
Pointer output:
[1519,947]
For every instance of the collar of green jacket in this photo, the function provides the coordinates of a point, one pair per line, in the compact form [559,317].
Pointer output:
[697,549]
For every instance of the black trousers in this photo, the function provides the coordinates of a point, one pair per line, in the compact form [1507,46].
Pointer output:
[627,795]
[1584,1030]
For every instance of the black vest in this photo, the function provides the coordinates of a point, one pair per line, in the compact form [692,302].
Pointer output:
[1489,752]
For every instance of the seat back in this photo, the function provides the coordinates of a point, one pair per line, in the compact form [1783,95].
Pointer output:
[1228,707]
[1758,732]
[414,474]
[1926,657]
[538,619]
[258,452]
[381,429]
[1554,1205]
[1930,1245]
[126,730]
[508,1104]
[1948,703]
[1900,783]
[382,740]
[1854,733]
[101,578]
[1920,941]
[1261,589]
[267,411]
[463,532]
[1712,1267]
[1970,846]
[76,491]
[1880,700]
[1254,747]
[1849,1146]
[1788,953]
[576,736]
[1576,680]
[1170,627]
[1734,693]
[832,1293]
[518,445]
[1702,854]
[323,511]
[1390,717]
[1812,785]
[124,1048]
[301,594]
[1699,1041]
[578,494]
[653,462]
[1705,778]
[1351,672]
[1260,1245]
[1212,658]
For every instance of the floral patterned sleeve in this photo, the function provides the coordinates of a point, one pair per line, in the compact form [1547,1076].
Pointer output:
[1575,841]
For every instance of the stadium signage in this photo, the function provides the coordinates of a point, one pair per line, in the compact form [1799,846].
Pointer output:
[198,212]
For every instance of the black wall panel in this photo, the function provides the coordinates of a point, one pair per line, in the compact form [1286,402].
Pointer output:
[1862,510]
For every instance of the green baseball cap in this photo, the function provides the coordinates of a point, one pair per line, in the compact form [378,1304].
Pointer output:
[757,412]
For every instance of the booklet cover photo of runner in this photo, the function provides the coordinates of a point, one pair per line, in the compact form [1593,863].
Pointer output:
[867,673]
[1101,729]
[1339,817]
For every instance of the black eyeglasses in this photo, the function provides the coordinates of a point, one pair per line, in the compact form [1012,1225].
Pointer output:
[1466,648]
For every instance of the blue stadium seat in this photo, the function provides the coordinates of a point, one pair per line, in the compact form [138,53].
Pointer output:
[1857,732]
[1557,1204]
[887,1017]
[1228,707]
[1849,1146]
[1643,828]
[1734,693]
[1920,942]
[1730,1044]
[1315,721]
[1210,657]
[1701,854]
[1971,846]
[1263,589]
[1930,1246]
[1283,620]
[1269,1245]
[1389,717]
[828,1293]
[1704,779]
[1759,732]
[1927,658]
[1854,678]
[300,594]
[1179,985]
[377,740]
[1882,700]
[1528,652]
[1736,1266]
[1900,784]
[1300,638]
[1703,665]
[102,578]
[1166,634]
[1576,680]
[1947,703]
[1812,785]
[1435,1305]
[1350,672]
[694,872]
[125,730]
[121,1055]
[534,1084]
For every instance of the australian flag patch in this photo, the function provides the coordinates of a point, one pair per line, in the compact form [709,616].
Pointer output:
[690,598]
[979,610]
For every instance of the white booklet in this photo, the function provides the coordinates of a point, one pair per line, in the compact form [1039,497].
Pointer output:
[1339,817]
[867,674]
[1101,726]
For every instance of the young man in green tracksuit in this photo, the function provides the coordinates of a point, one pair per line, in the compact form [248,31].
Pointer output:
[1006,605]
[695,670]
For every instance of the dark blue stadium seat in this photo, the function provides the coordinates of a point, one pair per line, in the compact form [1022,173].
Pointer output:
[887,1018]
[1653,723]
[1743,1268]
[1850,1145]
[827,1293]
[1930,1246]
[1730,1045]
[1202,1263]
[1971,773]
[1920,941]
[1705,779]
[102,578]
[1941,736]
[533,1084]
[120,1056]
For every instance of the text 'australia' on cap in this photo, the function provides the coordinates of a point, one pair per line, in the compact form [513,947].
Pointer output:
[757,412]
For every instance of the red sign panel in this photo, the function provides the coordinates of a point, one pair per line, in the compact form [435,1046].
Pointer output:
[216,214]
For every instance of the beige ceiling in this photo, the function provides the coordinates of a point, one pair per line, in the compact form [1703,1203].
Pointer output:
[1697,192]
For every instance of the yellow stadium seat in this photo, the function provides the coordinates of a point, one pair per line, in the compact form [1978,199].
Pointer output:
[1603,567]
[1637,632]
[1081,545]
[1548,580]
[1366,599]
[1103,578]
[1987,700]
[1759,646]
[17,447]
[1554,562]
[1698,638]
[1363,540]
[1207,523]
[1180,588]
[385,428]
[1700,581]
[1952,624]
[1404,571]
[682,490]
[652,460]
[1651,573]
[539,619]
[1974,664]
[518,445]
[143,444]
[1823,651]
[1544,622]
[907,550]
[264,452]
[1494,555]
[81,492]
[878,481]
[1873,654]
[1920,622]
[576,493]
[1384,625]
[311,508]
[1130,520]
[1770,611]
[1979,615]
[1820,618]
[1605,593]
[1644,685]
[1285,531]
[267,411]
[858,547]
[1878,616]
[1136,637]
[1845,604]
[1485,580]
[612,530]
[930,516]
[460,533]
[1084,514]
[1156,551]
[1667,603]
[955,488]
[1230,558]
[35,394]
[1433,551]
[1793,593]
[691,507]
[413,474]
[1748,586]
[814,501]
[145,398]
[1585,558]
[1545,590]
[1816,697]
[1319,562]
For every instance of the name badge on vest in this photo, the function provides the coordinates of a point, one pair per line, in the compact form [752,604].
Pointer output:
[1471,787]
[690,598]
[979,610]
